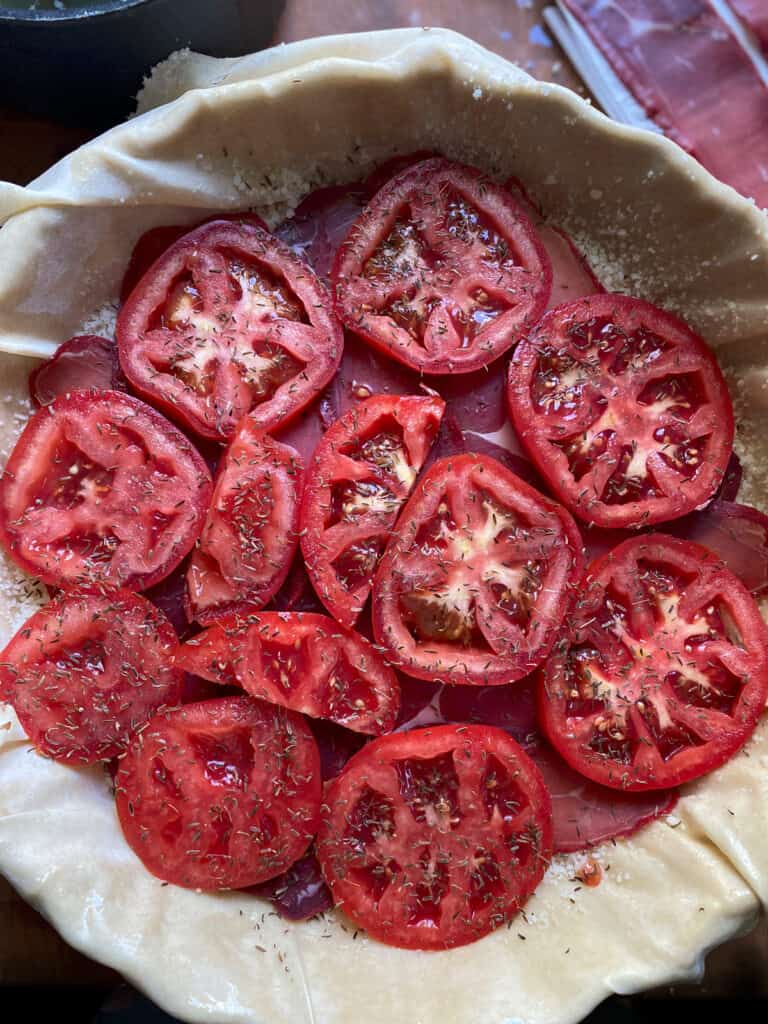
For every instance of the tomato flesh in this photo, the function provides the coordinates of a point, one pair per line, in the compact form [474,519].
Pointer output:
[222,794]
[664,672]
[303,661]
[363,470]
[478,577]
[431,839]
[101,489]
[251,531]
[226,322]
[623,409]
[87,670]
[442,271]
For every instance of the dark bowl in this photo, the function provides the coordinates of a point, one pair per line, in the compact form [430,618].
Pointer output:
[85,65]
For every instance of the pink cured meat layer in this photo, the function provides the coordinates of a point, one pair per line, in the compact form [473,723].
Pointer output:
[690,74]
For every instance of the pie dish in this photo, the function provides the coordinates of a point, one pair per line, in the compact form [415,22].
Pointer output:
[212,136]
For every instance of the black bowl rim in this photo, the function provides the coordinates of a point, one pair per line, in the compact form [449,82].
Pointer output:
[24,16]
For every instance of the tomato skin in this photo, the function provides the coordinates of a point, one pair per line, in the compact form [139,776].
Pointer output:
[434,291]
[128,479]
[615,401]
[229,321]
[251,531]
[648,690]
[375,478]
[302,661]
[87,670]
[431,839]
[222,794]
[483,568]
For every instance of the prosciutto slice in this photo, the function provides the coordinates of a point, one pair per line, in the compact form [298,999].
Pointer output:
[754,14]
[687,70]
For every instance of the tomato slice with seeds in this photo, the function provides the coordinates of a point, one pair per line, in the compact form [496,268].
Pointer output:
[432,838]
[221,794]
[226,322]
[363,470]
[251,532]
[87,670]
[442,271]
[304,661]
[85,362]
[623,409]
[664,672]
[100,488]
[478,576]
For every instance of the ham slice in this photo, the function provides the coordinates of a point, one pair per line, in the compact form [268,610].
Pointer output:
[687,70]
[754,14]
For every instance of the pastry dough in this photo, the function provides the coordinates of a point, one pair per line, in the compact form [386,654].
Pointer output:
[259,132]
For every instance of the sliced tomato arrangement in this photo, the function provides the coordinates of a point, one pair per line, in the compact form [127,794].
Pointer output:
[304,661]
[620,684]
[623,409]
[363,470]
[442,271]
[221,794]
[432,838]
[664,672]
[100,488]
[251,531]
[478,577]
[85,362]
[229,321]
[87,670]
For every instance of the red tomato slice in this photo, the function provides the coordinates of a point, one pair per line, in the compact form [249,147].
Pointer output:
[229,321]
[432,838]
[443,270]
[478,577]
[86,362]
[101,489]
[153,243]
[251,533]
[363,470]
[305,662]
[623,409]
[87,670]
[220,795]
[664,672]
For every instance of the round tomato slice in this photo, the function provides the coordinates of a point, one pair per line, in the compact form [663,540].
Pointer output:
[362,472]
[222,794]
[623,409]
[305,662]
[251,533]
[101,489]
[432,838]
[443,270]
[229,321]
[87,670]
[478,577]
[664,672]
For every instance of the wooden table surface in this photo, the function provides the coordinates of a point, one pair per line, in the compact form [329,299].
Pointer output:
[31,952]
